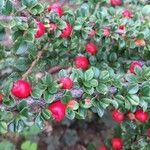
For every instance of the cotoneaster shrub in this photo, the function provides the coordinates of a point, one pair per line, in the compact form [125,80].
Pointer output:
[99,52]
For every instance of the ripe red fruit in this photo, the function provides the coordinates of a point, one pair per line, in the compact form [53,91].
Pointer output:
[141,116]
[58,110]
[82,62]
[1,98]
[53,26]
[127,14]
[117,116]
[116,143]
[148,132]
[40,30]
[66,32]
[56,8]
[133,65]
[106,32]
[21,89]
[91,48]
[66,83]
[122,27]
[115,2]
[92,33]
[103,148]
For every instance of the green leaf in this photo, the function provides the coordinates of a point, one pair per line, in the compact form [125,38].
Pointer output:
[70,114]
[21,47]
[48,97]
[47,79]
[28,145]
[145,90]
[46,114]
[61,24]
[94,83]
[100,111]
[22,105]
[24,112]
[86,103]
[138,71]
[37,92]
[143,104]
[133,99]
[81,114]
[7,9]
[84,10]
[87,84]
[133,89]
[89,91]
[3,127]
[115,104]
[21,64]
[146,10]
[104,75]
[131,78]
[62,73]
[102,88]
[37,9]
[29,3]
[77,27]
[67,97]
[91,147]
[96,72]
[29,37]
[6,145]
[89,74]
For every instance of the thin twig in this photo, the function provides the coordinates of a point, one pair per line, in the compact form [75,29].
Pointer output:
[10,18]
[56,69]
[24,76]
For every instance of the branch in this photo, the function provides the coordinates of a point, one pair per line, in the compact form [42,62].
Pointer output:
[10,18]
[24,76]
[56,69]
[34,104]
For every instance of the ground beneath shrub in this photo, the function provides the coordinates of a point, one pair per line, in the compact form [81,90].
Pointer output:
[69,135]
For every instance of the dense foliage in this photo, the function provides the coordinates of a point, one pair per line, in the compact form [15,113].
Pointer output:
[101,50]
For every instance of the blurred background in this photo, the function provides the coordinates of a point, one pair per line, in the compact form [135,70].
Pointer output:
[86,134]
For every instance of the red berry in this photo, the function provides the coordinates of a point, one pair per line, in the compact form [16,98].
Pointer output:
[53,26]
[122,27]
[21,89]
[148,132]
[40,30]
[1,98]
[56,8]
[117,116]
[82,62]
[103,148]
[92,33]
[127,14]
[116,143]
[141,116]
[91,48]
[66,32]
[115,2]
[66,83]
[106,32]
[133,65]
[58,110]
